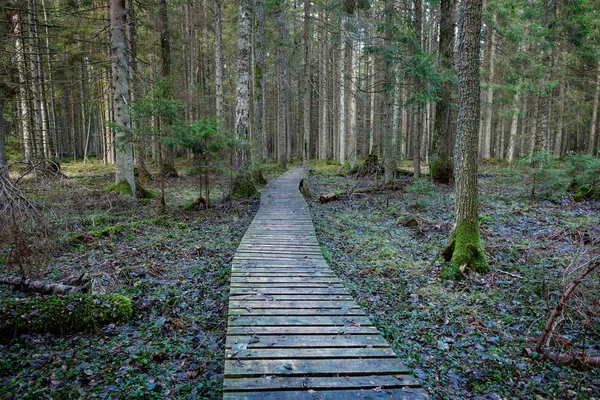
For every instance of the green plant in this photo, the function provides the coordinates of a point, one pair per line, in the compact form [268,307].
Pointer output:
[583,171]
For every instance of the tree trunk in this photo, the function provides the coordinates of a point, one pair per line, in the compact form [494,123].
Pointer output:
[53,126]
[512,141]
[440,161]
[23,95]
[324,98]
[464,250]
[168,165]
[259,79]
[592,147]
[418,87]
[219,59]
[342,105]
[282,114]
[242,185]
[122,118]
[307,102]
[352,138]
[389,153]
[487,119]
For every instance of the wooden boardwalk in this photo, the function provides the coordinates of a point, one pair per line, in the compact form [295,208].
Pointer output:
[294,332]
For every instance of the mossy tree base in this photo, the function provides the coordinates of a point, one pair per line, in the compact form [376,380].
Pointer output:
[62,314]
[464,253]
[243,187]
[199,204]
[124,189]
[441,171]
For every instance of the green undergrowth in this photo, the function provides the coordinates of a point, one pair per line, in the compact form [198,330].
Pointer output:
[62,314]
[462,339]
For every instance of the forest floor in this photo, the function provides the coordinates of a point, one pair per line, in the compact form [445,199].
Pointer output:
[464,339]
[175,267]
[461,339]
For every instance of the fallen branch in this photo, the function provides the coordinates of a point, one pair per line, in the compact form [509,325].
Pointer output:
[592,264]
[566,358]
[509,274]
[327,197]
[44,287]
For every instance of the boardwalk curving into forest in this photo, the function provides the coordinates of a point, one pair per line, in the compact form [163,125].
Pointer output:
[294,332]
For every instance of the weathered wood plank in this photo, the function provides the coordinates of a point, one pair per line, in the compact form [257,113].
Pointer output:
[302,353]
[301,330]
[305,341]
[268,303]
[297,367]
[346,382]
[311,394]
[306,312]
[298,321]
[285,290]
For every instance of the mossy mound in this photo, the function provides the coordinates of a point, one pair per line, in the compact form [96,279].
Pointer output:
[123,189]
[243,187]
[62,314]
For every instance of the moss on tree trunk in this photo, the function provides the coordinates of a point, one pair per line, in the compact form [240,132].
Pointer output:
[62,314]
[243,187]
[464,252]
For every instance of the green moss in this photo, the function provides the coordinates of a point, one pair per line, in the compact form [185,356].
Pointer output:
[123,189]
[451,272]
[61,314]
[243,187]
[464,251]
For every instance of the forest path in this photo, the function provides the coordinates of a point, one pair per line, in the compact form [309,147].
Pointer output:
[294,332]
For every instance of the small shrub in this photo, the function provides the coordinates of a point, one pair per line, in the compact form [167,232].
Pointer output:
[583,171]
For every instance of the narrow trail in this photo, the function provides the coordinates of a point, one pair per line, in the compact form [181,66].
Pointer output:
[294,331]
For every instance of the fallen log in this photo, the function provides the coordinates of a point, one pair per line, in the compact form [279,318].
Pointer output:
[44,287]
[327,197]
[69,313]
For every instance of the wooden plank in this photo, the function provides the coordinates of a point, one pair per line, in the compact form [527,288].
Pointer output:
[272,291]
[305,341]
[299,321]
[319,353]
[286,279]
[291,297]
[268,303]
[306,312]
[346,382]
[311,394]
[298,367]
[301,330]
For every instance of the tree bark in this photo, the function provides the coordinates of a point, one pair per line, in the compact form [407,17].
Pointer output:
[259,79]
[464,250]
[167,165]
[592,148]
[242,185]
[342,104]
[443,128]
[282,113]
[43,287]
[307,102]
[353,133]
[121,115]
[219,59]
[489,99]
[417,128]
[388,150]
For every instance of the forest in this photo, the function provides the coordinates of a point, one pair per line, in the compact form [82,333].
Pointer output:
[450,158]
